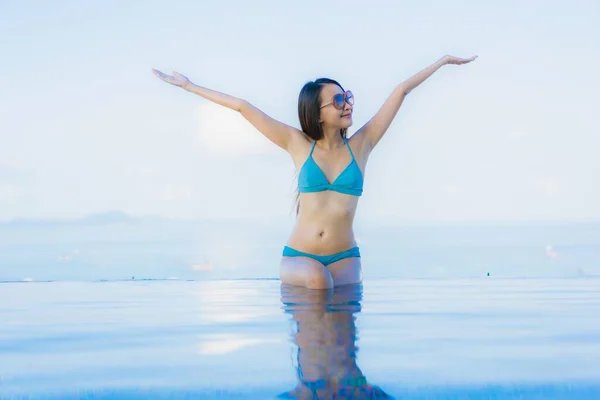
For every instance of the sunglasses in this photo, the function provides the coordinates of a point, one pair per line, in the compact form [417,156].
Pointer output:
[339,99]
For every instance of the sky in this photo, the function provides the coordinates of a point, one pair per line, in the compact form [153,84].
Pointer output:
[85,127]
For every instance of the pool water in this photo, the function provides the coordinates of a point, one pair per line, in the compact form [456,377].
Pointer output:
[484,338]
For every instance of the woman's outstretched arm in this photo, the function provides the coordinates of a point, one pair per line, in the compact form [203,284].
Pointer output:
[277,132]
[378,125]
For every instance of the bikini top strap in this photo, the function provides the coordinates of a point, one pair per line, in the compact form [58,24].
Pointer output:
[312,148]
[349,149]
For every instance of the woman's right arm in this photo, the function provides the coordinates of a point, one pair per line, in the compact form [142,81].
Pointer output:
[277,132]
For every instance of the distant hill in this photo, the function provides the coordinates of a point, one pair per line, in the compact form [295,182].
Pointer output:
[109,217]
[105,218]
[114,217]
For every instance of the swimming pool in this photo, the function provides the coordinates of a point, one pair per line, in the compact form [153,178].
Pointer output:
[485,338]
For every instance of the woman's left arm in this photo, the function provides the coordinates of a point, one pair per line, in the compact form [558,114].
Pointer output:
[376,127]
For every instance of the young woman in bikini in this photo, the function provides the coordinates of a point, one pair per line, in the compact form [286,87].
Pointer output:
[321,251]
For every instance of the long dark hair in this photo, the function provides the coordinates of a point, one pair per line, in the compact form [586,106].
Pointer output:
[309,113]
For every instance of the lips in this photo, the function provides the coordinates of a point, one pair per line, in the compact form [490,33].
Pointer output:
[347,115]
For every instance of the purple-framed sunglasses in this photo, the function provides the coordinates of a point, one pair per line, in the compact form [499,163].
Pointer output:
[339,99]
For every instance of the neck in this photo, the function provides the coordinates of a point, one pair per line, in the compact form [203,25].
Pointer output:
[332,139]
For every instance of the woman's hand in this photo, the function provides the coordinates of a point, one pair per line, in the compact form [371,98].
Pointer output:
[176,79]
[448,59]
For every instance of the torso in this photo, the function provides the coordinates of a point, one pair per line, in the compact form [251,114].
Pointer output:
[324,222]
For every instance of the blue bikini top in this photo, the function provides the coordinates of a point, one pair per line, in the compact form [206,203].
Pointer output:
[312,179]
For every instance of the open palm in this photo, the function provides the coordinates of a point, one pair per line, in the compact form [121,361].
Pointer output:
[458,61]
[176,79]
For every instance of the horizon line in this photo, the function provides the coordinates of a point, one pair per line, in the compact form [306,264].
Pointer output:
[122,216]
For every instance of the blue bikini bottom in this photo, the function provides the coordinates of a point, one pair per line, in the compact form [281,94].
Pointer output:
[325,260]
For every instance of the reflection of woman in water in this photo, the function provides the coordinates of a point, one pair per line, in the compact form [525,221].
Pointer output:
[324,337]
[321,251]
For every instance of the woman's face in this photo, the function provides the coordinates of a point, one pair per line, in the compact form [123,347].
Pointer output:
[331,116]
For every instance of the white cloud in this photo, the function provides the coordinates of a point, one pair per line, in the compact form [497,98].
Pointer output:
[174,192]
[450,188]
[548,186]
[140,171]
[224,132]
[8,192]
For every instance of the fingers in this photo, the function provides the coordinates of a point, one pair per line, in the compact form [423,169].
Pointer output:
[163,76]
[460,61]
[159,74]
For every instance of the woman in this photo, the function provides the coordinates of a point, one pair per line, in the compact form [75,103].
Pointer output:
[321,251]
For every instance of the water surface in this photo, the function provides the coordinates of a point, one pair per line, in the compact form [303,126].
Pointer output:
[485,338]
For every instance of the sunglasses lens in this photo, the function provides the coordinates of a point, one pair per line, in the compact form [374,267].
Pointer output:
[350,97]
[338,101]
